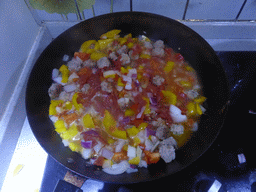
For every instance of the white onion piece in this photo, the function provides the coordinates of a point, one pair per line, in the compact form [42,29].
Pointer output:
[131,170]
[55,73]
[107,153]
[143,164]
[58,80]
[120,145]
[98,147]
[141,112]
[86,153]
[131,152]
[65,142]
[117,169]
[148,145]
[176,115]
[70,88]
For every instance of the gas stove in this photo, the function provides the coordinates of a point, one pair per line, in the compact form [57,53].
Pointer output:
[228,165]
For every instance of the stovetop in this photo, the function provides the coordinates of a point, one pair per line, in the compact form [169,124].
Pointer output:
[228,165]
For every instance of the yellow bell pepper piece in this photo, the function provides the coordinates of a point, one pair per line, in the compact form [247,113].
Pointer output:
[198,109]
[188,68]
[123,70]
[186,84]
[133,131]
[104,43]
[74,101]
[86,45]
[145,56]
[88,121]
[89,51]
[170,97]
[119,134]
[70,133]
[97,46]
[122,40]
[75,147]
[65,73]
[60,126]
[134,161]
[127,36]
[130,45]
[97,55]
[147,109]
[191,107]
[108,120]
[142,126]
[53,105]
[111,141]
[110,34]
[136,141]
[169,66]
[120,83]
[129,112]
[200,99]
[68,105]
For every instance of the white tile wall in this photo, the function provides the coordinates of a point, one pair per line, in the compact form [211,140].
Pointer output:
[171,9]
[197,9]
[18,31]
[249,11]
[214,9]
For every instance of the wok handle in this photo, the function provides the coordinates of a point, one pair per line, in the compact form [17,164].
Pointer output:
[71,183]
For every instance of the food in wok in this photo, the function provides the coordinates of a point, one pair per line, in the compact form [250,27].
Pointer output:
[125,102]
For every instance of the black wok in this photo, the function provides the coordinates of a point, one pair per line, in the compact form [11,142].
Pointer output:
[176,35]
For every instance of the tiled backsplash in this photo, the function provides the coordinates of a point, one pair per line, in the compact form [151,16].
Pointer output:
[194,9]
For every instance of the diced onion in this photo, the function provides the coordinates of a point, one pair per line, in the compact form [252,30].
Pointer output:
[98,147]
[131,152]
[107,153]
[55,73]
[86,144]
[131,170]
[141,112]
[153,100]
[120,145]
[176,115]
[86,153]
[117,169]
[150,132]
[69,88]
[58,80]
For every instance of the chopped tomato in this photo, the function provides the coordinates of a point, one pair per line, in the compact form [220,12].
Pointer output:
[84,74]
[99,161]
[82,56]
[137,49]
[69,118]
[178,57]
[119,156]
[137,122]
[152,157]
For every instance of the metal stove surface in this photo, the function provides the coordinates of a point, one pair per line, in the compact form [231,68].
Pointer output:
[228,165]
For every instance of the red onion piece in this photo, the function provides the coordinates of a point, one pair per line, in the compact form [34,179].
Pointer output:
[107,153]
[150,132]
[91,133]
[134,76]
[86,144]
[153,100]
[125,121]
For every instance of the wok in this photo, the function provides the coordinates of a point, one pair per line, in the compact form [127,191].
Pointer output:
[182,39]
